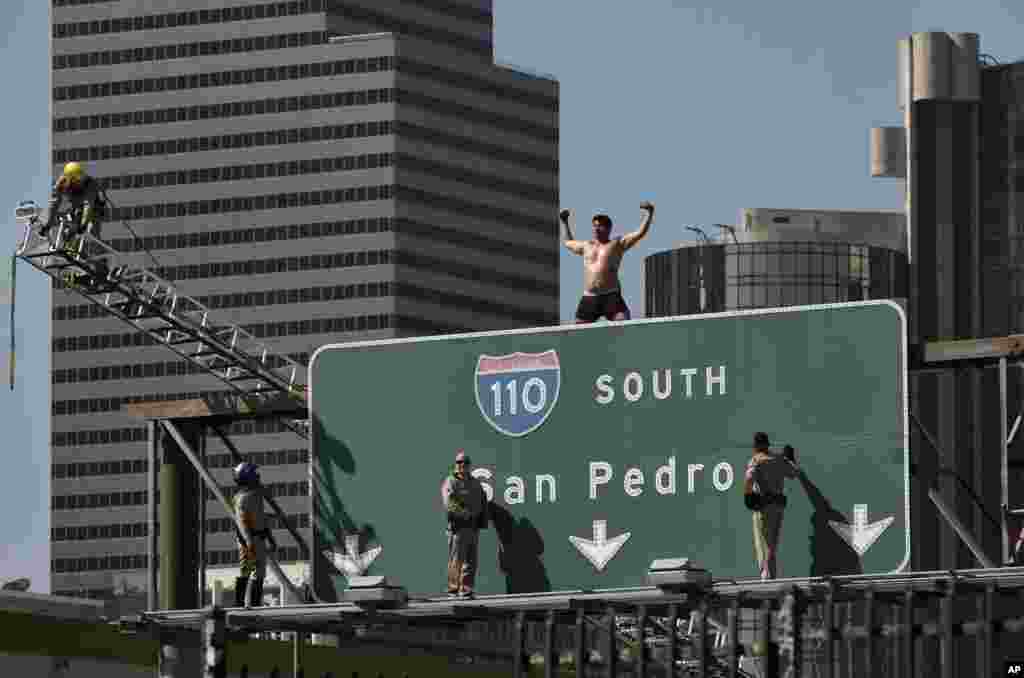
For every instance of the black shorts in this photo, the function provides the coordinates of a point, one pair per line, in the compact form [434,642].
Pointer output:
[607,305]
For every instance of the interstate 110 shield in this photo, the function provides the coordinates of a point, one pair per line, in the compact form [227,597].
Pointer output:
[604,447]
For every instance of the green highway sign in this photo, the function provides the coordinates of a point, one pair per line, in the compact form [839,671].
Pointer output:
[605,447]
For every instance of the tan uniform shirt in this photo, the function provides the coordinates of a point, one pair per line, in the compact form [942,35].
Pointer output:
[770,472]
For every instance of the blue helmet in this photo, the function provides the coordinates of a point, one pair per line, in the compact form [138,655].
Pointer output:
[246,473]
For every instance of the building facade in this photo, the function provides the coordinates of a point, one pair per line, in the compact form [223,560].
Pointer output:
[958,153]
[781,258]
[316,171]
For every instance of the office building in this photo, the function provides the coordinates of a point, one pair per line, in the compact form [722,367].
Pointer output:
[317,171]
[782,257]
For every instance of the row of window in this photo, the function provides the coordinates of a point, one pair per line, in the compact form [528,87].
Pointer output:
[90,469]
[390,24]
[461,80]
[93,405]
[138,530]
[299,488]
[347,163]
[466,112]
[464,302]
[70,502]
[215,15]
[268,106]
[173,210]
[371,290]
[459,143]
[312,262]
[102,342]
[270,170]
[478,241]
[219,142]
[238,236]
[329,197]
[247,76]
[139,434]
[140,562]
[75,3]
[449,203]
[306,102]
[189,50]
[518,189]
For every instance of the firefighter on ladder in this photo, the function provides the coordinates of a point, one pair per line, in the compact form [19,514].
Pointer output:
[252,552]
[80,195]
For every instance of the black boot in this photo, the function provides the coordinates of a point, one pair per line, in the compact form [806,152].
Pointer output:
[255,597]
[241,584]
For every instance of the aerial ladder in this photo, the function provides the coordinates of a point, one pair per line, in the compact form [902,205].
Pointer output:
[127,289]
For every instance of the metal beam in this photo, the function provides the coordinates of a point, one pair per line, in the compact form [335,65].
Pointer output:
[224,405]
[973,349]
[215,488]
[945,511]
[151,516]
[327,616]
[1004,477]
[237,456]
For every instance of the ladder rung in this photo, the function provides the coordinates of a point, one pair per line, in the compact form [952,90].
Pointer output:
[251,377]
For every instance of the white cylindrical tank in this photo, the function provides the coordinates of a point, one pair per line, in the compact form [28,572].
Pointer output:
[888,152]
[965,70]
[932,68]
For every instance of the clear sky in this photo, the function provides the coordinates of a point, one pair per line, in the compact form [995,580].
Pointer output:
[701,107]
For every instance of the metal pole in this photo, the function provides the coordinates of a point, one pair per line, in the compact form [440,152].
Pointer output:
[519,668]
[829,615]
[214,645]
[946,512]
[734,632]
[960,530]
[988,633]
[215,488]
[946,639]
[202,523]
[769,657]
[237,456]
[152,601]
[611,651]
[869,626]
[550,647]
[909,639]
[641,628]
[297,654]
[581,644]
[1004,463]
[796,621]
[700,643]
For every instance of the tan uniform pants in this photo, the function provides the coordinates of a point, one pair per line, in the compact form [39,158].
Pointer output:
[253,562]
[463,545]
[767,531]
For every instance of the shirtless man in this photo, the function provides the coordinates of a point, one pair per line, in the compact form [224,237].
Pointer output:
[602,292]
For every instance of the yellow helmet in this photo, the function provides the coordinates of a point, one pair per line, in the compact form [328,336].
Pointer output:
[74,171]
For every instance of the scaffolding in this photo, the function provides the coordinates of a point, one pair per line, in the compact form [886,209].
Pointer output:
[257,381]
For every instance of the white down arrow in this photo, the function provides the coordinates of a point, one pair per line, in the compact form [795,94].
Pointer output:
[861,535]
[352,563]
[601,549]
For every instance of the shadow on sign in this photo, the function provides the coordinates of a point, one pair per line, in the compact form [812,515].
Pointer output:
[830,555]
[520,547]
[334,458]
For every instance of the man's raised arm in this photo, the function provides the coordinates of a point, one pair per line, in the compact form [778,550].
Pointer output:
[633,238]
[571,244]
